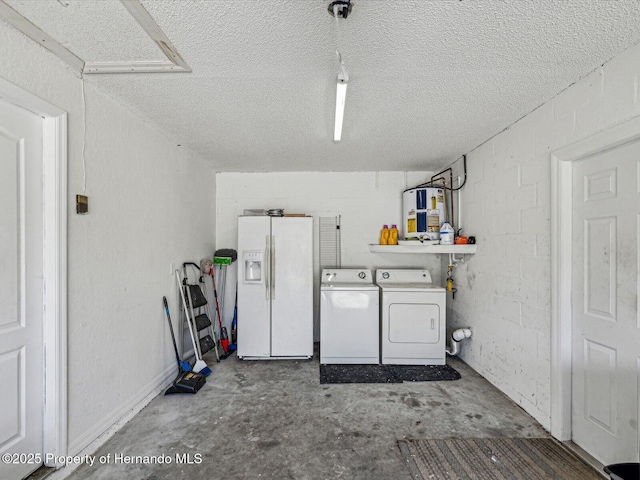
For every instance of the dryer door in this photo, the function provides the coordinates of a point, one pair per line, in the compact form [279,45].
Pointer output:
[414,323]
[413,327]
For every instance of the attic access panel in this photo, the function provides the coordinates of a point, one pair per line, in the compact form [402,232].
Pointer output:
[96,36]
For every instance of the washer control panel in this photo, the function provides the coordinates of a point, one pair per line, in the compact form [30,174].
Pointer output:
[346,275]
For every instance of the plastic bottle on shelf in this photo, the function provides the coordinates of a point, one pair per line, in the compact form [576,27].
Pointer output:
[393,235]
[384,235]
[446,234]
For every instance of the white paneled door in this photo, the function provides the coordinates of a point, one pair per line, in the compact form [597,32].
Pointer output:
[606,325]
[21,291]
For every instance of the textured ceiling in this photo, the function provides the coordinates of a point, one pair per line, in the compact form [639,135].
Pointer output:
[102,31]
[429,80]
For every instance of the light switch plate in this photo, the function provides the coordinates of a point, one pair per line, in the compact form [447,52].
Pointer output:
[82,204]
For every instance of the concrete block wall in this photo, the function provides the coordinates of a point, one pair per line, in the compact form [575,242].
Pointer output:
[151,204]
[504,291]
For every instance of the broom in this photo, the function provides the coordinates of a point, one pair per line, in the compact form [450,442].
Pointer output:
[186,381]
[185,366]
[234,325]
[224,336]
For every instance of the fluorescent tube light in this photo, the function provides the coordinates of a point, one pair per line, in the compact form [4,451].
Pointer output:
[341,96]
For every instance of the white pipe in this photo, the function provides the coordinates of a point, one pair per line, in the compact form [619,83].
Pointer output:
[461,334]
[456,337]
[459,204]
[454,261]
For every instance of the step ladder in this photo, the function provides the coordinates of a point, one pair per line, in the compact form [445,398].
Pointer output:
[199,313]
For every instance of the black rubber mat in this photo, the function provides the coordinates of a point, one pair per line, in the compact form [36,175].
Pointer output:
[334,373]
[424,373]
[337,373]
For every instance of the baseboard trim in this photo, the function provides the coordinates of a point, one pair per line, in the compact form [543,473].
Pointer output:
[97,436]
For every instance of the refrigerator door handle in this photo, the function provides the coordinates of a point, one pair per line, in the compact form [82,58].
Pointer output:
[273,267]
[267,266]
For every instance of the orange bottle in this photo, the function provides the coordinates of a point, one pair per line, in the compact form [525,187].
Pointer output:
[393,235]
[384,235]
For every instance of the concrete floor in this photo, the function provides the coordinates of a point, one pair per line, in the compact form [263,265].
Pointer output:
[273,419]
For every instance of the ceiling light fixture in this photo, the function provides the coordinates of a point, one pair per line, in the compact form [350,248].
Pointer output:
[342,9]
[341,97]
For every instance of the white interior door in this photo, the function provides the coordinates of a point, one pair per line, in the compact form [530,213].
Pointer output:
[21,290]
[605,324]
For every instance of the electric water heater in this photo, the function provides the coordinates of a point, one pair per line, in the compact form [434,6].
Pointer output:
[423,213]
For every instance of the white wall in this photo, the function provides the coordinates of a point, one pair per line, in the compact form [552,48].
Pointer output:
[504,290]
[151,203]
[364,200]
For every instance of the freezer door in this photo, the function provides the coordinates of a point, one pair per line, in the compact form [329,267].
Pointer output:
[254,326]
[292,287]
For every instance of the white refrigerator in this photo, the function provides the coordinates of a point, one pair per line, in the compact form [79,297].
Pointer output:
[275,287]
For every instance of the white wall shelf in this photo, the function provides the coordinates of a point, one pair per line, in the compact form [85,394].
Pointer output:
[455,249]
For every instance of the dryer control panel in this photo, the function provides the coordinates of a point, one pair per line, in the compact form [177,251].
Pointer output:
[403,276]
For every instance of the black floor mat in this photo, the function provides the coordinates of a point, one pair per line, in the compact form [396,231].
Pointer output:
[424,373]
[335,373]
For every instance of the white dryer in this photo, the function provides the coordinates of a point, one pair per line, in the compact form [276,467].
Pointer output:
[412,317]
[349,317]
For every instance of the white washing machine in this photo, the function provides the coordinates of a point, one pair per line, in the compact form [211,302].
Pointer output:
[412,317]
[349,317]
